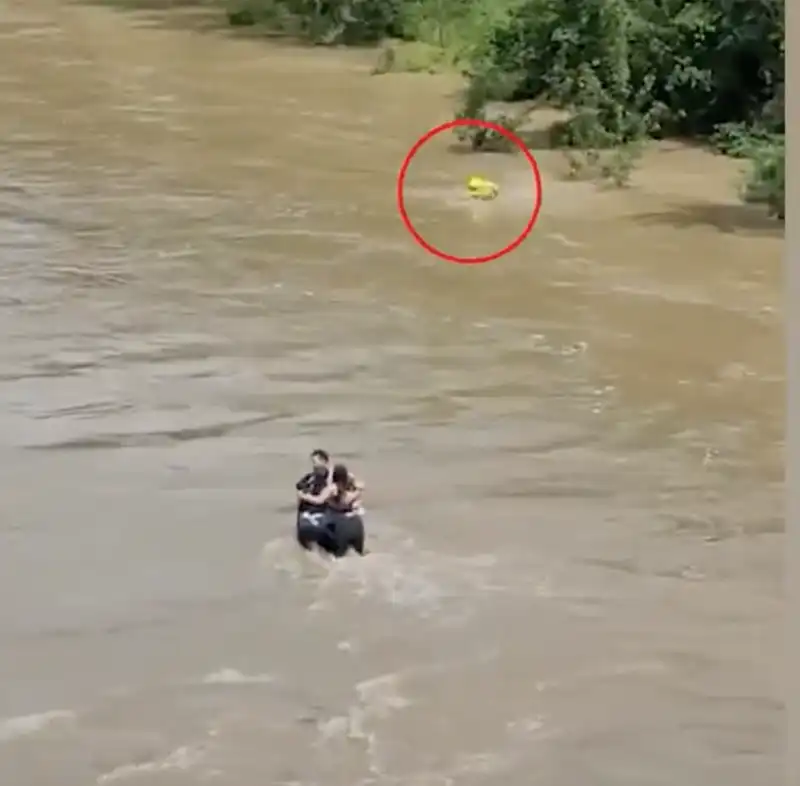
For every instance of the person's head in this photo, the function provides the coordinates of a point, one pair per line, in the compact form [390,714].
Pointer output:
[340,476]
[320,460]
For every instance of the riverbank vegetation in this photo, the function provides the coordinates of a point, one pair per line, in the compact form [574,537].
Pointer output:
[631,70]
[624,71]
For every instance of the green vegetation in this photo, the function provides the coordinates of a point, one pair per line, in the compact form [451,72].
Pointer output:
[425,33]
[631,70]
[766,150]
[766,182]
[625,71]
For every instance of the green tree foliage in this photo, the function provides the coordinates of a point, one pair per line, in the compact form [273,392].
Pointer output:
[349,22]
[766,183]
[631,69]
[687,67]
[361,22]
[626,70]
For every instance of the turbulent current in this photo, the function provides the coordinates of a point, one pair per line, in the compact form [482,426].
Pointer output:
[573,455]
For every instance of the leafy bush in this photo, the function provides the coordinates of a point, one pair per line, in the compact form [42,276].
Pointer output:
[450,25]
[627,70]
[663,65]
[349,22]
[766,183]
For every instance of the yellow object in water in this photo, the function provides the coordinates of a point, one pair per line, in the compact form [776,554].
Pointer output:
[481,188]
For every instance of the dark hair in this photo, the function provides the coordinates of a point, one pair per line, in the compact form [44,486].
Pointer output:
[321,454]
[340,475]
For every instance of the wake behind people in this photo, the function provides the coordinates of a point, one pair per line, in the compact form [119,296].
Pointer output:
[329,511]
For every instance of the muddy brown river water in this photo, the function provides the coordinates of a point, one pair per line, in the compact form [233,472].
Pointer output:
[573,455]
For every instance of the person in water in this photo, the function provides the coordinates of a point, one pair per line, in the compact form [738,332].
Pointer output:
[309,516]
[314,483]
[341,527]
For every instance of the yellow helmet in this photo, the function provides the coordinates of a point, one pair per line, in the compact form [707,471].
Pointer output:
[481,187]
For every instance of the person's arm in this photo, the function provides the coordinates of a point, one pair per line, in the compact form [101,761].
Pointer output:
[304,482]
[301,486]
[358,489]
[317,499]
[354,502]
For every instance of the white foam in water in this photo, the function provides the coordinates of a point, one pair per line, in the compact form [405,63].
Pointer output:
[233,677]
[402,575]
[377,699]
[283,555]
[183,758]
[400,582]
[25,725]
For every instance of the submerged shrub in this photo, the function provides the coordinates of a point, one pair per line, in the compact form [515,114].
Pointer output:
[767,179]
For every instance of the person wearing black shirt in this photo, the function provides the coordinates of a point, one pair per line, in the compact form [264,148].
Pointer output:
[341,527]
[314,482]
[309,514]
[319,521]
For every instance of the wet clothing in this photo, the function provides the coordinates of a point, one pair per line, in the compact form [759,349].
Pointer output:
[310,529]
[333,532]
[347,532]
[331,526]
[337,502]
[313,483]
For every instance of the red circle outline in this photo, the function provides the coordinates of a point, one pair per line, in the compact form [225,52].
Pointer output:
[401,177]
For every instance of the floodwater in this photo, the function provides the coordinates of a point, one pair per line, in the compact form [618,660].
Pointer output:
[573,456]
